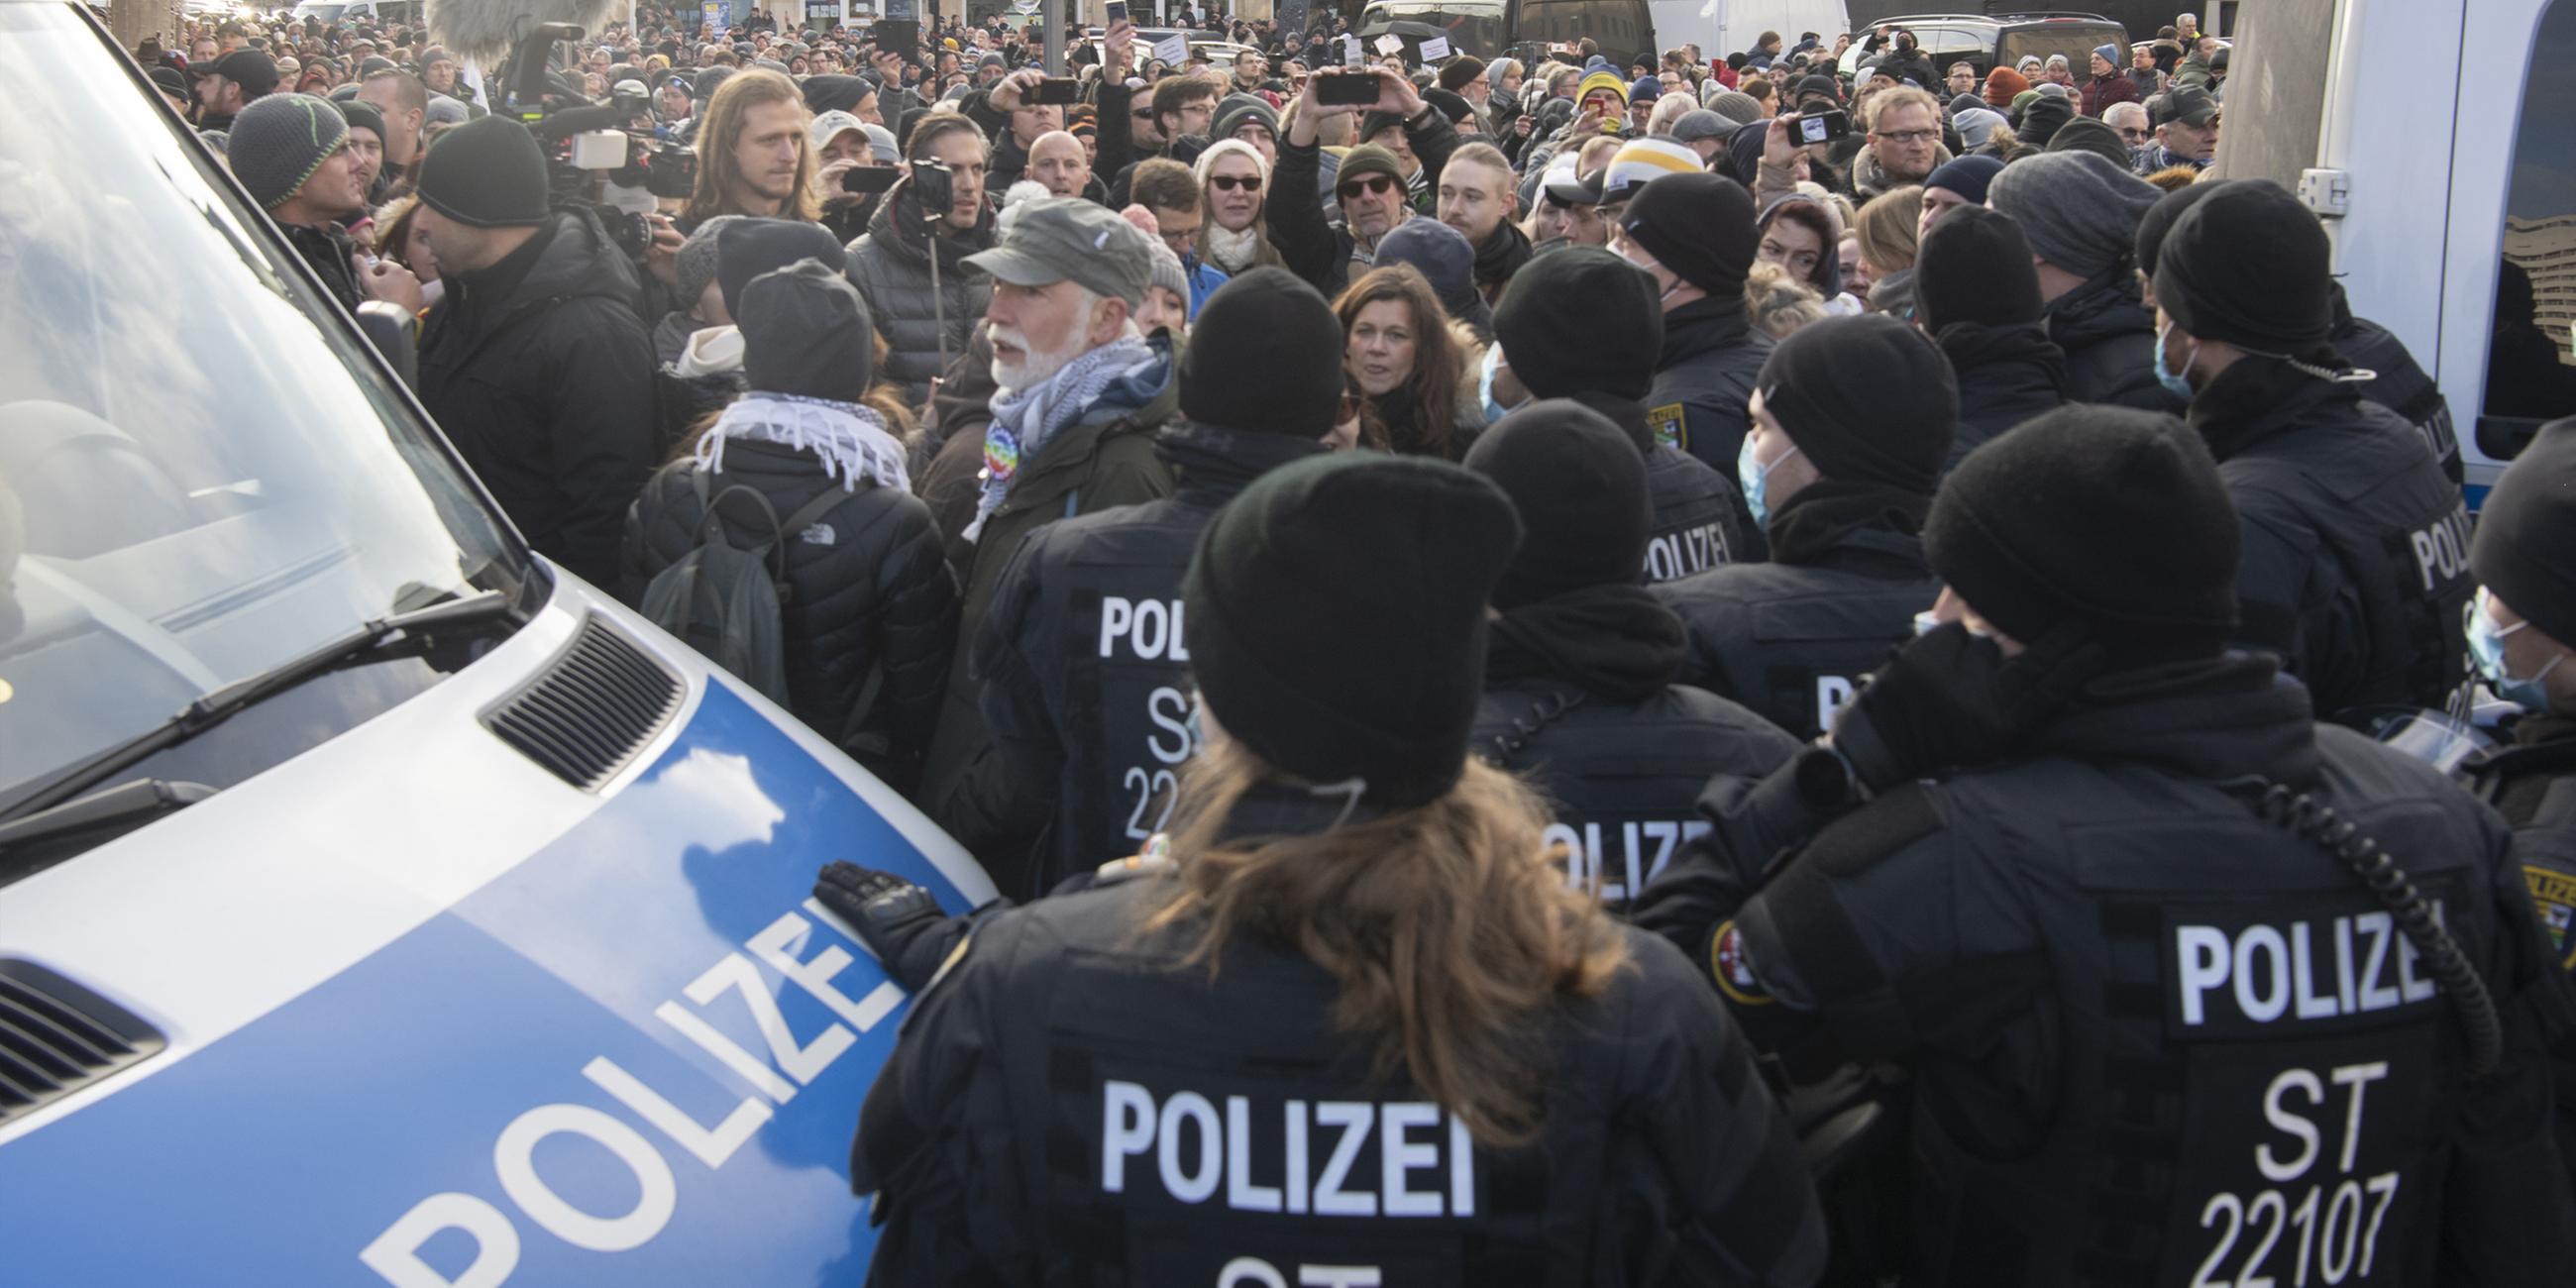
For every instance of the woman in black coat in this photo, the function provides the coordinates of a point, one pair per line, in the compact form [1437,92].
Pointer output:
[869,614]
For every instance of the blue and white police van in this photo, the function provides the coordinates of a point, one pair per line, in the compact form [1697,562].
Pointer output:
[378,904]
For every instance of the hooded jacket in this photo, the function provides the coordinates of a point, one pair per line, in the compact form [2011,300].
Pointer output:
[893,267]
[2007,374]
[1712,353]
[1105,458]
[539,370]
[2108,335]
[868,588]
[1086,685]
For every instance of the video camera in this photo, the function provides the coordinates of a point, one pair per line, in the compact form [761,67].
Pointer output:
[582,138]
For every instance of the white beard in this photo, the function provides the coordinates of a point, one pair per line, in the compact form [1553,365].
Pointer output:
[1035,368]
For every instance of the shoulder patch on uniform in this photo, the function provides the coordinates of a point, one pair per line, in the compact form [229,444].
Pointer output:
[1730,963]
[1668,426]
[2553,893]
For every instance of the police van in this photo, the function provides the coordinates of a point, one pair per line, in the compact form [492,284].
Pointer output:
[378,903]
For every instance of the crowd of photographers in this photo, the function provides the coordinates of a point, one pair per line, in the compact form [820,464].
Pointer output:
[1448,533]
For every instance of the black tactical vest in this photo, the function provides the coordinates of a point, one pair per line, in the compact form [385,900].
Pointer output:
[1794,642]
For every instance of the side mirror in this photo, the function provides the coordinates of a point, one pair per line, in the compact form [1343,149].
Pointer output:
[394,332]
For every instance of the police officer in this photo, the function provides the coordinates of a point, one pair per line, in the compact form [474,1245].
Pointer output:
[1084,658]
[1579,691]
[2081,884]
[2520,632]
[2356,547]
[1693,233]
[1852,422]
[1582,323]
[1350,1027]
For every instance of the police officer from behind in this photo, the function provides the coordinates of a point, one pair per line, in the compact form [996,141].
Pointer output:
[1852,421]
[2521,632]
[2147,1021]
[1083,657]
[1351,1018]
[1693,234]
[1582,323]
[1579,677]
[2356,547]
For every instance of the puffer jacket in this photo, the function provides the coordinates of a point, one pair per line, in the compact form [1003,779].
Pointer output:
[893,267]
[2109,337]
[867,588]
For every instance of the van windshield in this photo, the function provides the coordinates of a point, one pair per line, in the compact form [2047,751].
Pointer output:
[198,479]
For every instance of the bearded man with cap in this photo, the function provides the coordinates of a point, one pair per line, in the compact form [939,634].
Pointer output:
[2080,214]
[1584,324]
[1370,183]
[2021,871]
[1977,295]
[1086,690]
[866,630]
[535,360]
[1852,420]
[1582,691]
[1079,396]
[1693,234]
[2353,572]
[1389,936]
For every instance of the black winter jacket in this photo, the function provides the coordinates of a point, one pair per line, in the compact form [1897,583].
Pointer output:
[539,370]
[893,267]
[868,587]
[2006,376]
[1712,352]
[2354,569]
[1315,249]
[2401,386]
[2109,337]
[1087,690]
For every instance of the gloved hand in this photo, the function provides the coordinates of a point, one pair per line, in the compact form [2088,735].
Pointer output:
[889,912]
[1950,700]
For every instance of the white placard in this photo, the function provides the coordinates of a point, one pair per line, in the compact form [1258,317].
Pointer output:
[1174,49]
[1435,49]
[1352,56]
[1390,43]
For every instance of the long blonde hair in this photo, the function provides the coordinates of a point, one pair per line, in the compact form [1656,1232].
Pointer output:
[1452,932]
[717,168]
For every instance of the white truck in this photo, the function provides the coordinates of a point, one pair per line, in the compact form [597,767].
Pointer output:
[1722,27]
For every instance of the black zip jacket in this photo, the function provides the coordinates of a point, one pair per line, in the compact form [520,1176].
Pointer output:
[2006,376]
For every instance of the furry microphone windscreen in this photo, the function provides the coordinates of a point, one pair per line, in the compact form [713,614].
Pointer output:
[486,30]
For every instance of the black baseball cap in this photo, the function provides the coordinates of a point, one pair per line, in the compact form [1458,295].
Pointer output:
[254,71]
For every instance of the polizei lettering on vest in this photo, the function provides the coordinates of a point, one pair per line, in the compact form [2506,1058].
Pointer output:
[1675,555]
[1198,1149]
[2442,550]
[1150,627]
[2305,970]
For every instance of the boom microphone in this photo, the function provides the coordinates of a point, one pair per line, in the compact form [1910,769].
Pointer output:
[487,29]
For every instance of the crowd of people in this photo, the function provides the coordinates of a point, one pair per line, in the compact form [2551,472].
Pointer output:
[1576,623]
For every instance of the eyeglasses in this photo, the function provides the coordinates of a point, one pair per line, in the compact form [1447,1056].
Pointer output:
[1375,183]
[1143,114]
[1231,182]
[1907,136]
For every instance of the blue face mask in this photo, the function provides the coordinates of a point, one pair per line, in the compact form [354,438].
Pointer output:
[2175,382]
[1752,475]
[2486,644]
[1494,411]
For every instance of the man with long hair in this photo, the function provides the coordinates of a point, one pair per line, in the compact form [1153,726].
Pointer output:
[753,158]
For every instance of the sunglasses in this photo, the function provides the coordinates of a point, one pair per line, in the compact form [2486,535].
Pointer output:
[1376,183]
[1230,182]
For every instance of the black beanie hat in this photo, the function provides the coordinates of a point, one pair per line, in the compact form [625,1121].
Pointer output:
[1698,225]
[2108,515]
[2527,530]
[486,173]
[2248,265]
[2160,217]
[1867,399]
[1336,618]
[2041,121]
[1581,320]
[1580,489]
[2088,134]
[805,331]
[1265,354]
[1975,266]
[747,248]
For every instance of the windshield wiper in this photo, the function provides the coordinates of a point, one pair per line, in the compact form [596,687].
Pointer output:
[100,808]
[222,703]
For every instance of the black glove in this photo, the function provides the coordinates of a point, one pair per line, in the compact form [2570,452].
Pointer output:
[1950,700]
[890,914]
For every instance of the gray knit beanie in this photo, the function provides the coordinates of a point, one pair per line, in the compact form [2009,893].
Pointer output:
[697,261]
[2080,211]
[1735,105]
[280,140]
[1167,271]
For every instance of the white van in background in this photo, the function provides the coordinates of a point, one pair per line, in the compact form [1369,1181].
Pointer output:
[1722,27]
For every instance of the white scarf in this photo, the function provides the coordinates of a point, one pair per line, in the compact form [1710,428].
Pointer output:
[711,352]
[1232,251]
[851,440]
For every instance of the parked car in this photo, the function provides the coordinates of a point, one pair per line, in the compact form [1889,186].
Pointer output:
[1983,40]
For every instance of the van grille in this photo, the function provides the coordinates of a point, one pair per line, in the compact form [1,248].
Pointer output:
[57,1037]
[585,716]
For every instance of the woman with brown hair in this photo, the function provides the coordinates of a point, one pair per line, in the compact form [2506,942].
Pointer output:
[1889,228]
[1345,1012]
[1408,361]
